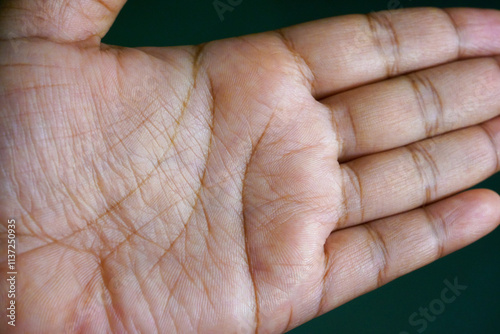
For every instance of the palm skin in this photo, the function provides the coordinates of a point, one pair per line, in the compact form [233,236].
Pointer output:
[237,186]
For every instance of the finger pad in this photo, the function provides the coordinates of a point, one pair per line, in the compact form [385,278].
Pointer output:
[468,217]
[480,29]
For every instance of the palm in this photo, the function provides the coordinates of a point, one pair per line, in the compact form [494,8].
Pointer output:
[226,187]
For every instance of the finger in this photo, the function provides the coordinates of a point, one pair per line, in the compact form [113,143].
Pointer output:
[58,20]
[402,179]
[423,104]
[367,256]
[350,51]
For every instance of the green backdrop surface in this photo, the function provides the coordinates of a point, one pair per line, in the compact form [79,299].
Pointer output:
[387,310]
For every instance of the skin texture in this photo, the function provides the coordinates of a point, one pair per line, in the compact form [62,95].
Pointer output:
[243,185]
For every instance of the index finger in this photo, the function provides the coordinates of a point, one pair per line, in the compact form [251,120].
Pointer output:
[350,51]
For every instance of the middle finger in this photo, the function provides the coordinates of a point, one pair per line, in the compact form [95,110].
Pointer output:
[413,107]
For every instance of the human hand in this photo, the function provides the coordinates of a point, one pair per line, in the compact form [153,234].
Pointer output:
[243,185]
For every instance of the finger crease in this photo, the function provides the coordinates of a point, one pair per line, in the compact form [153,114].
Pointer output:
[424,161]
[324,288]
[104,4]
[438,233]
[355,181]
[379,253]
[457,32]
[493,146]
[423,88]
[390,52]
[335,127]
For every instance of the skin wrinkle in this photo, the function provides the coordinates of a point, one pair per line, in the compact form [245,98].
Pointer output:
[149,175]
[88,43]
[438,227]
[79,203]
[50,140]
[456,29]
[326,272]
[22,205]
[335,128]
[215,260]
[170,295]
[99,232]
[300,62]
[201,186]
[135,233]
[71,248]
[196,66]
[141,125]
[282,221]
[208,154]
[57,17]
[379,252]
[36,87]
[291,153]
[423,88]
[382,20]
[424,161]
[207,292]
[345,210]
[86,300]
[352,125]
[193,211]
[492,142]
[421,102]
[38,159]
[184,178]
[207,219]
[191,279]
[145,120]
[107,292]
[37,66]
[150,310]
[128,237]
[78,7]
[243,214]
[289,319]
[227,178]
[106,5]
[355,181]
[170,247]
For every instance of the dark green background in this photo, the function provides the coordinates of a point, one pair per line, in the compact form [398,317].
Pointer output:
[386,310]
